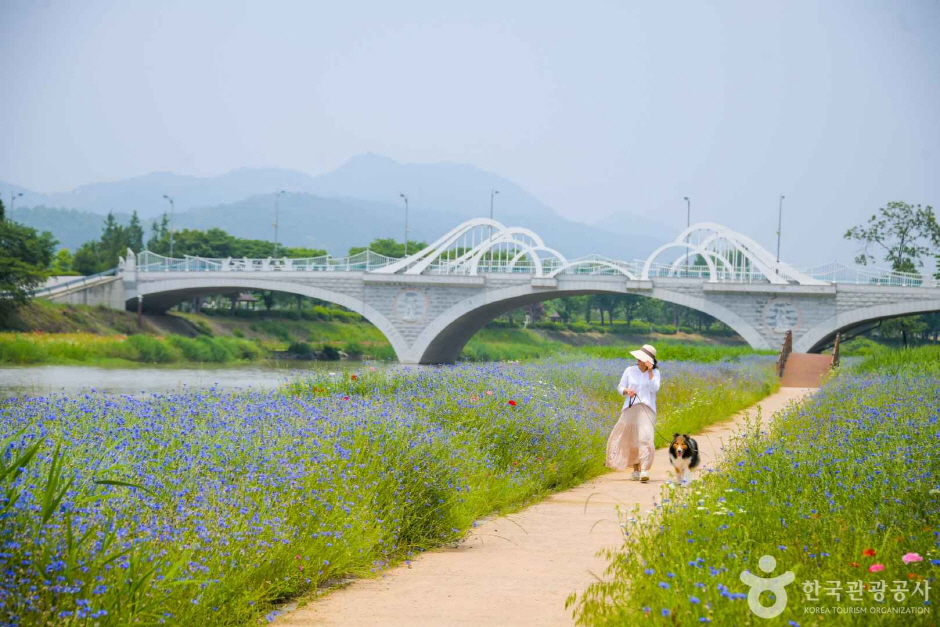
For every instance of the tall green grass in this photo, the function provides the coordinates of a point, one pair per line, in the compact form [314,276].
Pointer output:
[921,360]
[677,351]
[67,348]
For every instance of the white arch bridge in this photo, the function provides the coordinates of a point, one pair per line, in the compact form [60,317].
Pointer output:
[429,304]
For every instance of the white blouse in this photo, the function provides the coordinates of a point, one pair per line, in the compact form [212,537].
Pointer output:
[640,383]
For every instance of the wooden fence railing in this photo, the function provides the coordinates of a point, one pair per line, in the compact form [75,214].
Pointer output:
[785,353]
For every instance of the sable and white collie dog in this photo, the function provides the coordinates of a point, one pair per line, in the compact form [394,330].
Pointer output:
[683,455]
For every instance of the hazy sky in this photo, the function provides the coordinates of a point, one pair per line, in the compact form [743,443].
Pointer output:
[596,108]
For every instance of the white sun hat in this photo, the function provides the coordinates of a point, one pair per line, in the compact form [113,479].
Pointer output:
[647,353]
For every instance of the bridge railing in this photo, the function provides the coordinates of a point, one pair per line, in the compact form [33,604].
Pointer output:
[863,275]
[73,283]
[368,261]
[365,261]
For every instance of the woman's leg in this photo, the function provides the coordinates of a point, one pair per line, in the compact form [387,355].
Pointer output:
[646,440]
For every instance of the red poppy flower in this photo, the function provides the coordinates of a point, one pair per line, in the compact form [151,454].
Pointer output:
[353,377]
[869,553]
[345,398]
[513,403]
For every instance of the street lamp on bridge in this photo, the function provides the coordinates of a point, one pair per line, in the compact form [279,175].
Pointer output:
[688,218]
[406,222]
[171,224]
[492,197]
[277,199]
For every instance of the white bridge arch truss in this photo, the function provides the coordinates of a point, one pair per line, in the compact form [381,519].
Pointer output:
[706,251]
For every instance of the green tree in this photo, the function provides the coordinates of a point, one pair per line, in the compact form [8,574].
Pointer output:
[630,303]
[902,232]
[571,306]
[135,234]
[103,254]
[159,241]
[389,247]
[216,243]
[62,264]
[25,255]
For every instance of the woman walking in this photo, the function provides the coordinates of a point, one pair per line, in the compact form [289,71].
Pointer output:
[631,443]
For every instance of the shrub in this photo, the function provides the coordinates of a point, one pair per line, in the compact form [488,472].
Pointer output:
[354,349]
[151,350]
[330,353]
[201,327]
[15,349]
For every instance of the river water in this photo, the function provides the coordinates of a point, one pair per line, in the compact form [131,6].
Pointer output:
[40,380]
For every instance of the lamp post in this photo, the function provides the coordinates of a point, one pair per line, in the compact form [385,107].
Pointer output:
[492,197]
[779,224]
[171,223]
[688,223]
[406,222]
[13,198]
[277,199]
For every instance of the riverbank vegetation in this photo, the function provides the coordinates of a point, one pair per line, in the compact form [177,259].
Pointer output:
[44,332]
[210,507]
[837,491]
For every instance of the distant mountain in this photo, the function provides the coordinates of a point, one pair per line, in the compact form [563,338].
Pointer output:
[70,226]
[144,194]
[352,205]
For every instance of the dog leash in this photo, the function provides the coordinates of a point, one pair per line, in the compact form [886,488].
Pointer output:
[631,400]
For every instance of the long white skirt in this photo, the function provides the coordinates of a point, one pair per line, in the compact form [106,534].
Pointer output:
[632,440]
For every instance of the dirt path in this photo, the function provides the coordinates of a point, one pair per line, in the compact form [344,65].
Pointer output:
[517,569]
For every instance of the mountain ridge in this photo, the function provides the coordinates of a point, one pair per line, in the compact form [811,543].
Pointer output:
[441,195]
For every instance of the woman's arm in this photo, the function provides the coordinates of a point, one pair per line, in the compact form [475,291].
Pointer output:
[623,383]
[653,383]
[624,380]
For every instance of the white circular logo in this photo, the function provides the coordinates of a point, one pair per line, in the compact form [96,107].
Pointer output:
[411,306]
[781,316]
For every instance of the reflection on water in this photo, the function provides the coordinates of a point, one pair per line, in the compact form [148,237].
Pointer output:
[37,380]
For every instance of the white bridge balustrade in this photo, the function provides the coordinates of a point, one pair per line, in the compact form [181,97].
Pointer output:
[430,303]
[709,252]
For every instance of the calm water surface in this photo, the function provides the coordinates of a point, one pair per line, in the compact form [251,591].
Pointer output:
[39,380]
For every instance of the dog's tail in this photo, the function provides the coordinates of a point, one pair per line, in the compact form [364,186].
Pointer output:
[695,456]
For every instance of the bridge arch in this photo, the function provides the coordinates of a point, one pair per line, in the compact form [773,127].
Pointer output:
[818,336]
[167,293]
[443,339]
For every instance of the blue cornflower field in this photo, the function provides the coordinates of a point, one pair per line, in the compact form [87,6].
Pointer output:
[843,491]
[209,508]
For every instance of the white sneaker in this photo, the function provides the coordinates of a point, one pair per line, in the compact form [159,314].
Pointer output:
[635,476]
[644,477]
